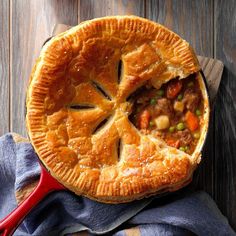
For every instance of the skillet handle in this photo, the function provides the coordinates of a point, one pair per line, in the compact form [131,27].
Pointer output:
[46,185]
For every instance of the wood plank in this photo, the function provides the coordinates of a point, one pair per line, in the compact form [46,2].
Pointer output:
[225,110]
[192,20]
[32,23]
[4,67]
[89,9]
[213,70]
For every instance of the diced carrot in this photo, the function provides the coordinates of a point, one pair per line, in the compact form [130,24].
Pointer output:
[173,143]
[173,89]
[191,121]
[144,119]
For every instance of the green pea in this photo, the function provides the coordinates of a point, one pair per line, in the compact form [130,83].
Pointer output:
[182,149]
[153,101]
[196,135]
[160,92]
[151,123]
[186,148]
[172,129]
[180,126]
[180,97]
[198,112]
[190,84]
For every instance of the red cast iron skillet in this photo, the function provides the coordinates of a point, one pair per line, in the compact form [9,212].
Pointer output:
[46,185]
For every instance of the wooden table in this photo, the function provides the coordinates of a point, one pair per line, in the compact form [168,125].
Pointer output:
[210,27]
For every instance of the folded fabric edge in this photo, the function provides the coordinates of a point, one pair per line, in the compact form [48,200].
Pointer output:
[78,227]
[24,192]
[211,204]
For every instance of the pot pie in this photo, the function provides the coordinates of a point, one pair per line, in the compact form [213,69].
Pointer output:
[117,109]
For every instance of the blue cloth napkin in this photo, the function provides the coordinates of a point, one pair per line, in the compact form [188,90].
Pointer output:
[63,213]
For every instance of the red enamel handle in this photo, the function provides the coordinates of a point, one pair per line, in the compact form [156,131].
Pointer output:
[46,185]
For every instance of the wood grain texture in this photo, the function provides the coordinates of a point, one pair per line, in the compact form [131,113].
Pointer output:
[32,23]
[93,8]
[225,111]
[192,20]
[213,70]
[4,67]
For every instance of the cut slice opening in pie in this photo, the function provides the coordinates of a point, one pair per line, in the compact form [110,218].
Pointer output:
[117,109]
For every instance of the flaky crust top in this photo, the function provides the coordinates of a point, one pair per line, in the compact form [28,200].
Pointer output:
[114,163]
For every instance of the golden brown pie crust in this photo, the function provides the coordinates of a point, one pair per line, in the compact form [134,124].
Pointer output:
[69,71]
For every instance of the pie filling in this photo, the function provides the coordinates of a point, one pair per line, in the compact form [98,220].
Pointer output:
[173,113]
